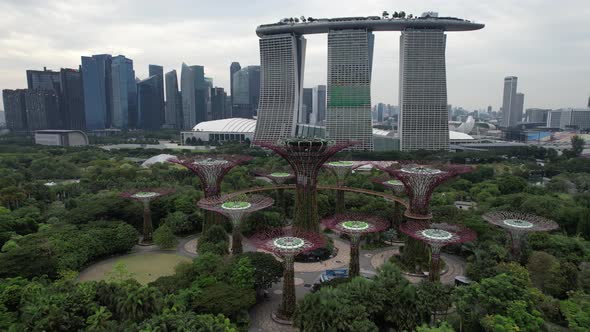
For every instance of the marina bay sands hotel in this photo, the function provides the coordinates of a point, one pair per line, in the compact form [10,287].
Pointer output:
[423,122]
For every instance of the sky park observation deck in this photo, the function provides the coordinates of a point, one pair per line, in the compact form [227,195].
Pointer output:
[423,122]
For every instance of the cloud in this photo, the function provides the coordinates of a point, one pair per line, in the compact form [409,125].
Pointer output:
[545,43]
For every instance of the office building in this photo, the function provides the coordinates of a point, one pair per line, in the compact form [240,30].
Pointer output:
[42,109]
[570,119]
[282,60]
[155,70]
[72,99]
[53,137]
[318,105]
[15,109]
[246,92]
[512,103]
[380,111]
[173,117]
[233,69]
[150,113]
[218,102]
[43,80]
[194,91]
[423,119]
[96,77]
[124,93]
[350,60]
[536,115]
[306,105]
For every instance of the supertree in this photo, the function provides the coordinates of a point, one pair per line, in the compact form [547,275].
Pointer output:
[397,188]
[145,196]
[355,225]
[341,169]
[437,235]
[236,208]
[278,177]
[420,180]
[306,156]
[287,242]
[210,169]
[518,225]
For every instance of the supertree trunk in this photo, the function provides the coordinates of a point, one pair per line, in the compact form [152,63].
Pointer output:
[236,240]
[397,214]
[282,203]
[516,244]
[288,302]
[415,254]
[434,272]
[354,269]
[148,227]
[306,208]
[340,204]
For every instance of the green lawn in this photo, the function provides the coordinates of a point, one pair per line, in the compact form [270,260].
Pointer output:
[145,267]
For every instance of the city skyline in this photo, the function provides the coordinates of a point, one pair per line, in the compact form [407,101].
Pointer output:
[476,62]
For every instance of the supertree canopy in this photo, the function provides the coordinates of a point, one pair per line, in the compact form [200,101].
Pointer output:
[306,156]
[146,196]
[437,235]
[396,186]
[288,242]
[420,180]
[278,177]
[236,208]
[211,169]
[341,169]
[355,225]
[519,224]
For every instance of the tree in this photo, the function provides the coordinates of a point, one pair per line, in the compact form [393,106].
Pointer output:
[182,321]
[164,237]
[267,269]
[242,273]
[179,222]
[577,145]
[576,310]
[221,298]
[443,327]
[546,273]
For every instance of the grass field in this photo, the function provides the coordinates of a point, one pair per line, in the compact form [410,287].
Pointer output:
[144,267]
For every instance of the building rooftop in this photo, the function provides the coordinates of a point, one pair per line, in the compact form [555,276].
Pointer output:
[371,23]
[232,125]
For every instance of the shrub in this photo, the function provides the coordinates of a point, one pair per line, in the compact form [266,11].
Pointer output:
[164,237]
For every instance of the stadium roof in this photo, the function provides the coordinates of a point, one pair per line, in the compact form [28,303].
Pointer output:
[232,125]
[161,158]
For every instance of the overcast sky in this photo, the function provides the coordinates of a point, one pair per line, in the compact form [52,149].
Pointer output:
[546,43]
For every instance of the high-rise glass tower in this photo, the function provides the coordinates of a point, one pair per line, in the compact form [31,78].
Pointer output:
[282,59]
[246,89]
[423,120]
[233,69]
[124,93]
[318,105]
[306,106]
[350,60]
[72,99]
[43,79]
[15,108]
[173,117]
[42,109]
[511,103]
[150,113]
[218,97]
[194,103]
[96,75]
[155,70]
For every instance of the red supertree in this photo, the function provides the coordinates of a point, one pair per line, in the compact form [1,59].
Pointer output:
[355,225]
[306,156]
[210,169]
[146,196]
[518,225]
[396,186]
[236,208]
[341,169]
[288,242]
[278,177]
[437,235]
[420,180]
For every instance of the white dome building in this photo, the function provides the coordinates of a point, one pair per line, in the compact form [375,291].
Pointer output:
[233,129]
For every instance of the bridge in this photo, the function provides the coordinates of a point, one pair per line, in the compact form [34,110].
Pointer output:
[390,197]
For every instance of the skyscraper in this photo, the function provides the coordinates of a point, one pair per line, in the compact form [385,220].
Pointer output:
[124,93]
[150,113]
[380,110]
[218,97]
[43,79]
[173,118]
[350,60]
[42,109]
[233,68]
[512,104]
[282,58]
[72,99]
[155,70]
[194,93]
[15,108]
[246,89]
[423,120]
[306,106]
[96,76]
[318,102]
